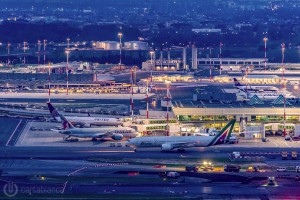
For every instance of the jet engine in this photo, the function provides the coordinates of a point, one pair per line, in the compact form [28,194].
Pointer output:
[117,137]
[166,147]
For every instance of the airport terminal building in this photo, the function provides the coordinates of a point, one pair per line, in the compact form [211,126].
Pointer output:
[261,117]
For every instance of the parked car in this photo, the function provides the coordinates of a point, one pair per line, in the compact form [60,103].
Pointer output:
[268,132]
[287,138]
[279,133]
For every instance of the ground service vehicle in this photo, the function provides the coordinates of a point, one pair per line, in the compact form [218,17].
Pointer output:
[173,175]
[191,168]
[281,169]
[284,155]
[232,168]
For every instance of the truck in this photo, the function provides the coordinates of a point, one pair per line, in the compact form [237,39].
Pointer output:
[232,168]
[294,155]
[284,155]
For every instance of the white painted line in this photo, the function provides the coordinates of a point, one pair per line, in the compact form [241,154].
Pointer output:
[13,132]
[64,187]
[286,144]
[26,132]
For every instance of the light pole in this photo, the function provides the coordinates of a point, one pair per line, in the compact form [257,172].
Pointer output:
[210,61]
[221,44]
[131,93]
[120,35]
[283,86]
[45,43]
[67,68]
[24,52]
[8,53]
[49,80]
[265,40]
[151,68]
[168,99]
[39,52]
[147,99]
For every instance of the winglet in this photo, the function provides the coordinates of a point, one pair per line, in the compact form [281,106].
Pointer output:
[224,134]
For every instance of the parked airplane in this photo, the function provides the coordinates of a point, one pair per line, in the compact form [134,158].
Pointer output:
[254,88]
[86,121]
[168,143]
[116,133]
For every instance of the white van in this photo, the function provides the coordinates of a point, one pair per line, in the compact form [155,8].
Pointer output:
[281,169]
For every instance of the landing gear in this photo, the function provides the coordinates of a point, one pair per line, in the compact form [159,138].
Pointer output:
[94,139]
[181,150]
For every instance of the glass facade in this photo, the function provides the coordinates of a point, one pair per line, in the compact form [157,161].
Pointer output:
[200,118]
[274,118]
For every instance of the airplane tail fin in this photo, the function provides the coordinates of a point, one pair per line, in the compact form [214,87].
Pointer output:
[224,134]
[66,123]
[54,113]
[236,82]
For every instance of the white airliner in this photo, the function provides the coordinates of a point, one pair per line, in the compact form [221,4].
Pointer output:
[87,121]
[116,133]
[168,143]
[254,88]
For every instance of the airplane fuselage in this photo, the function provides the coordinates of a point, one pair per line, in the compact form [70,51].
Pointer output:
[100,121]
[196,141]
[99,132]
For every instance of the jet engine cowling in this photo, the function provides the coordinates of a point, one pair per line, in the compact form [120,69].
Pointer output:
[166,147]
[117,137]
